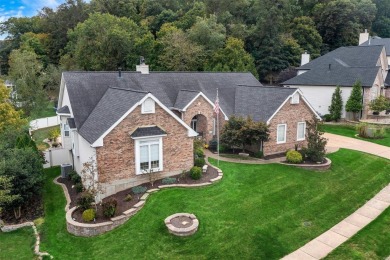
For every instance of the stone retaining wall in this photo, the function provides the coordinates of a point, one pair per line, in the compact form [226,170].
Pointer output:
[317,167]
[88,230]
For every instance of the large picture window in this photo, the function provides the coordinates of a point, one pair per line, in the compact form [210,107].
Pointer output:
[281,133]
[301,129]
[148,155]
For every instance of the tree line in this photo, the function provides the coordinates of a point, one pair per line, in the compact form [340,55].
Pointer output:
[261,36]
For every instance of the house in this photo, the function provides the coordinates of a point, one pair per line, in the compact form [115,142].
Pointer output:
[342,67]
[130,123]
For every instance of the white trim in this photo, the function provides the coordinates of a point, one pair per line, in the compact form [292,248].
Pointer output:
[304,131]
[137,154]
[63,114]
[303,98]
[153,110]
[208,100]
[147,137]
[62,87]
[191,132]
[285,134]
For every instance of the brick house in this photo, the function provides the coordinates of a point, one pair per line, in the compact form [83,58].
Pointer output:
[132,122]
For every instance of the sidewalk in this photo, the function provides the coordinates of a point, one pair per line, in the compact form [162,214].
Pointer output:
[321,246]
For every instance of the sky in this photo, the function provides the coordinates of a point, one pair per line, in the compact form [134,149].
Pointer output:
[20,8]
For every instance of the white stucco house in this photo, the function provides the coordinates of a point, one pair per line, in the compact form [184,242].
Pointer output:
[367,63]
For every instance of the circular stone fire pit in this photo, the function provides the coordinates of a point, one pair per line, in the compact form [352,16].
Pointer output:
[182,224]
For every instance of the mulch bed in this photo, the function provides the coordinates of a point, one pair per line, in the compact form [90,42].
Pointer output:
[308,162]
[124,205]
[32,211]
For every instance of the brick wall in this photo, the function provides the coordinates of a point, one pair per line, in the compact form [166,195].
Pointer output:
[289,114]
[116,159]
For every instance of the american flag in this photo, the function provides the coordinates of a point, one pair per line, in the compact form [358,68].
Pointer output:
[216,105]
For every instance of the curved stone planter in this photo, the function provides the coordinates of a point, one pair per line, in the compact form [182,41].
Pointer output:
[314,166]
[190,226]
[88,230]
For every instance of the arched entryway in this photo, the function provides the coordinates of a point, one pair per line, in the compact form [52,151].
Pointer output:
[199,124]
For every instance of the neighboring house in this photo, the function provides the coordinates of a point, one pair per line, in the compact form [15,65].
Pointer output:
[342,67]
[134,122]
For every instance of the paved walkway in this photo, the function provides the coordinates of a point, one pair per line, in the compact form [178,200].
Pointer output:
[321,246]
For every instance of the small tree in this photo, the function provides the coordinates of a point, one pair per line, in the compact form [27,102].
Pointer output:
[253,132]
[379,104]
[89,176]
[336,106]
[231,132]
[316,143]
[354,103]
[5,192]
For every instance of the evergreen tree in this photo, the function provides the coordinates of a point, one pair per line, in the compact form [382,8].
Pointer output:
[354,103]
[336,106]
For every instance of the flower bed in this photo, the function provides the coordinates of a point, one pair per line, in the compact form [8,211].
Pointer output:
[325,165]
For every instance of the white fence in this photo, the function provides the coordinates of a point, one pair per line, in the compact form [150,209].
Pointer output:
[56,157]
[44,122]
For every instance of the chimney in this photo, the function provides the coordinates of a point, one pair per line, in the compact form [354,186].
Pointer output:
[305,58]
[143,68]
[363,37]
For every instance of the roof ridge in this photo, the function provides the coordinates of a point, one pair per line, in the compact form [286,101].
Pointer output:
[189,90]
[128,89]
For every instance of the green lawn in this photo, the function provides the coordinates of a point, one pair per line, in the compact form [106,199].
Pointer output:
[18,244]
[47,112]
[256,211]
[40,135]
[370,243]
[349,131]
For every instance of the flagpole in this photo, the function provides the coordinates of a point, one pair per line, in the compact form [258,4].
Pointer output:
[218,128]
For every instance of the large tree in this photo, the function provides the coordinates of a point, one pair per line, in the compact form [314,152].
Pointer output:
[106,42]
[9,117]
[232,58]
[25,70]
[354,102]
[305,33]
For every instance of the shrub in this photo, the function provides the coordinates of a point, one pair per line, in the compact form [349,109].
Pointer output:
[70,174]
[198,144]
[109,208]
[128,197]
[79,187]
[168,180]
[303,152]
[89,215]
[200,162]
[293,157]
[258,154]
[199,153]
[54,134]
[76,178]
[379,133]
[222,148]
[85,200]
[361,128]
[139,189]
[316,142]
[196,173]
[327,118]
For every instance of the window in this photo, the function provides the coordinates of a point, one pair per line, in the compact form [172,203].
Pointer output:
[148,155]
[66,130]
[281,134]
[148,107]
[295,99]
[301,131]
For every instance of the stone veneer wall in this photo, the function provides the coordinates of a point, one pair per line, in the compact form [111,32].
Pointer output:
[116,158]
[289,114]
[202,107]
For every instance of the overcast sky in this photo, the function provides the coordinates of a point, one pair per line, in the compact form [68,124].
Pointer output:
[20,8]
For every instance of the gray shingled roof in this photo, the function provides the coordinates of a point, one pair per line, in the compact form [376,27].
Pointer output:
[148,131]
[260,103]
[63,110]
[71,123]
[379,41]
[112,106]
[99,99]
[343,66]
[184,97]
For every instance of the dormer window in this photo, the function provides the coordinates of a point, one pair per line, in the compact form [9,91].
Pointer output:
[148,107]
[295,99]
